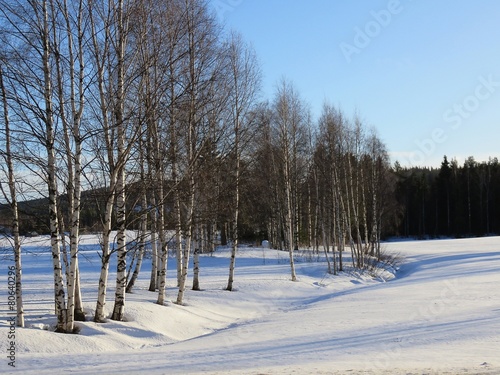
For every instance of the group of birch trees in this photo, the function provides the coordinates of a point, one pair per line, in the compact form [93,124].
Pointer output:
[322,186]
[154,108]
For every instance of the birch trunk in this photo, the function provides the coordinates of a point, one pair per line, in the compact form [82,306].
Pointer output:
[162,274]
[332,225]
[60,303]
[366,239]
[99,315]
[187,247]
[100,51]
[236,204]
[289,216]
[13,206]
[196,261]
[325,237]
[154,249]
[178,224]
[234,244]
[196,269]
[121,257]
[121,269]
[176,192]
[71,130]
[185,265]
[79,312]
[375,230]
[190,209]
[353,202]
[309,216]
[346,222]
[190,147]
[142,241]
[339,217]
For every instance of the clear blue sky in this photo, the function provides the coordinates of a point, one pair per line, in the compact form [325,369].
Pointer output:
[425,73]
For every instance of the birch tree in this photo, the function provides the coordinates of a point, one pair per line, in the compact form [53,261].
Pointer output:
[31,72]
[289,120]
[200,74]
[382,188]
[244,75]
[119,118]
[101,45]
[114,64]
[143,226]
[71,72]
[11,198]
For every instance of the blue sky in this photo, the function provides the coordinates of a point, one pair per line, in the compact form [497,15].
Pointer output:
[425,74]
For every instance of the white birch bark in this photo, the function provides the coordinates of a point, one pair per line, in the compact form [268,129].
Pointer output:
[196,259]
[375,228]
[71,130]
[162,266]
[119,107]
[60,303]
[153,281]
[236,201]
[287,128]
[142,232]
[188,238]
[100,313]
[363,187]
[162,274]
[190,206]
[154,248]
[121,243]
[326,246]
[99,55]
[353,202]
[288,217]
[190,143]
[244,80]
[13,205]
[176,181]
[79,312]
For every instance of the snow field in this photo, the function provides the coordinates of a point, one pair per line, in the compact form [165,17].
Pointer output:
[440,314]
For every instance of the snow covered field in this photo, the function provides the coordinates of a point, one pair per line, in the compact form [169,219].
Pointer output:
[440,314]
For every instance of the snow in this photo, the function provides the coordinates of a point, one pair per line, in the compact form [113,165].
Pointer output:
[439,314]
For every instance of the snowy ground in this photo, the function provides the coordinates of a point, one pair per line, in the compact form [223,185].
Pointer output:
[439,315]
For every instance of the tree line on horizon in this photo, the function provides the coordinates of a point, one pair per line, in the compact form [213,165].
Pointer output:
[451,201]
[146,117]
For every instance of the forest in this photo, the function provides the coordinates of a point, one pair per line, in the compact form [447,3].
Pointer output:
[147,117]
[450,201]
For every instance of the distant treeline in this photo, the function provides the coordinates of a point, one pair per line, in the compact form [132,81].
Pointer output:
[454,200]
